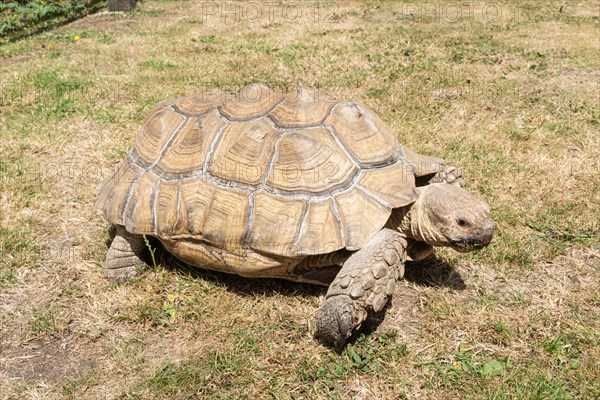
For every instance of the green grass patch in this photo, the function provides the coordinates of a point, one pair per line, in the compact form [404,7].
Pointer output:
[477,376]
[72,385]
[22,18]
[159,65]
[218,374]
[45,322]
[17,249]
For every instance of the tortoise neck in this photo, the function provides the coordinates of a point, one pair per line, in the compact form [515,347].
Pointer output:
[415,222]
[400,220]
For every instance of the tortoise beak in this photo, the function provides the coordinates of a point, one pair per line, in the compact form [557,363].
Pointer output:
[478,240]
[484,235]
[487,232]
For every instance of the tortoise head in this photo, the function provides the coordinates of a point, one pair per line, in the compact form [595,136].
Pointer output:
[448,215]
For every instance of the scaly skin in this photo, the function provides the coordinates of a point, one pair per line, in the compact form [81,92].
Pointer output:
[450,174]
[124,257]
[363,285]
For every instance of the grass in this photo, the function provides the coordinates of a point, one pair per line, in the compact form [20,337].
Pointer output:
[511,99]
[22,18]
[44,323]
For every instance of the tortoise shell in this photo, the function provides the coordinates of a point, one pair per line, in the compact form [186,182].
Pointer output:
[287,175]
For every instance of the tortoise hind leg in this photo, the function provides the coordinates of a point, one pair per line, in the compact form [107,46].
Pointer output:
[364,284]
[124,259]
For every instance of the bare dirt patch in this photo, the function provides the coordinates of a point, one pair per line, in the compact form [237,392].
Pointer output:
[50,361]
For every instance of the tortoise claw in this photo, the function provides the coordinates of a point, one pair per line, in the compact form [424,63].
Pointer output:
[336,321]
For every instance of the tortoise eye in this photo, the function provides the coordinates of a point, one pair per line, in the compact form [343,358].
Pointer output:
[462,222]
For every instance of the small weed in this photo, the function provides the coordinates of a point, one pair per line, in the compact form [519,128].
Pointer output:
[151,250]
[465,365]
[565,353]
[442,310]
[365,355]
[369,355]
[561,128]
[61,109]
[169,309]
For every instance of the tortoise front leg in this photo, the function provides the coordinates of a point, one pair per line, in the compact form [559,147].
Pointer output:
[364,284]
[449,174]
[124,259]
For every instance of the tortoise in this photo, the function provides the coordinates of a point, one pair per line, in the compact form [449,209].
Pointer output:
[294,186]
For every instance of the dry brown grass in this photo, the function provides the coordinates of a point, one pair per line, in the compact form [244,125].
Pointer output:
[514,101]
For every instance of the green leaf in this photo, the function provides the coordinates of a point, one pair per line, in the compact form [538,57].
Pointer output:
[354,356]
[492,368]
